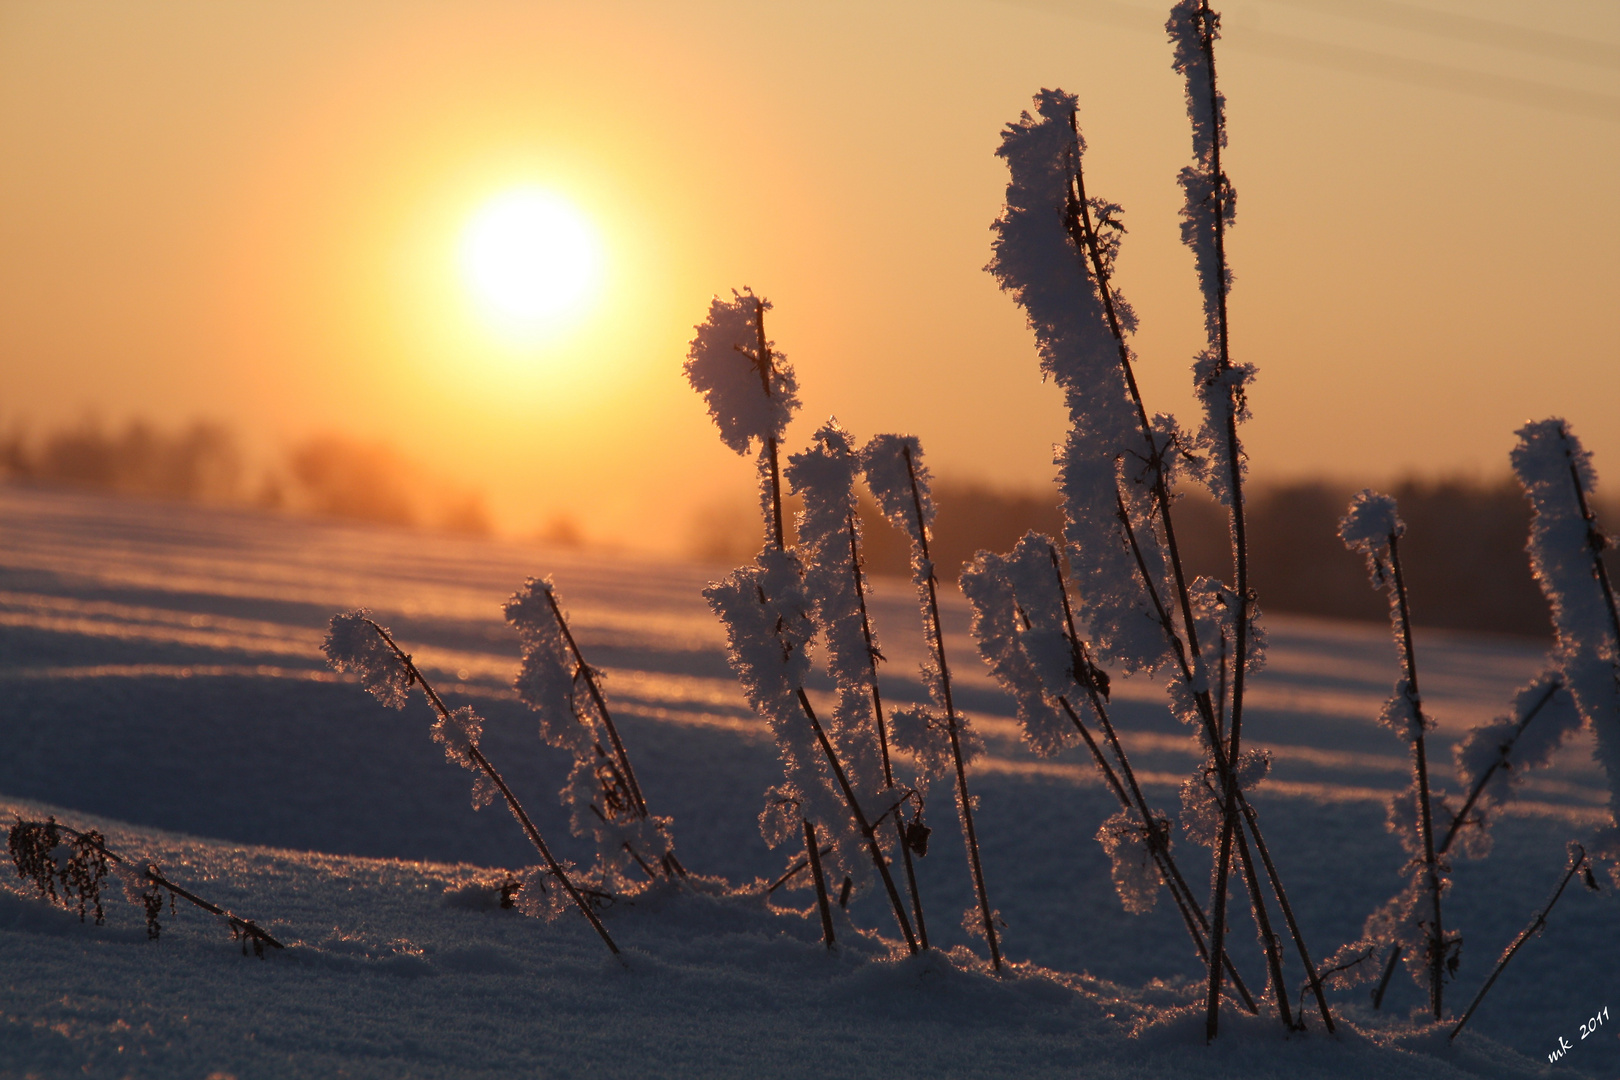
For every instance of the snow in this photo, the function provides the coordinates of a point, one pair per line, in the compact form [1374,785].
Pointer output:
[163,682]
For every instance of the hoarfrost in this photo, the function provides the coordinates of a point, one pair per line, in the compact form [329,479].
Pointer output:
[1135,872]
[353,644]
[1566,556]
[998,632]
[829,543]
[749,388]
[598,794]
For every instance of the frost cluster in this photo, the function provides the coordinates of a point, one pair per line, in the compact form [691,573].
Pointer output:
[602,799]
[767,617]
[353,644]
[1566,555]
[750,391]
[1003,639]
[829,545]
[1498,753]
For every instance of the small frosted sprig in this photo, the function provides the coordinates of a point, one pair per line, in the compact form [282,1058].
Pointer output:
[751,391]
[353,644]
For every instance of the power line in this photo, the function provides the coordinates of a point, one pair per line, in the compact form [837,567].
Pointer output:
[1389,66]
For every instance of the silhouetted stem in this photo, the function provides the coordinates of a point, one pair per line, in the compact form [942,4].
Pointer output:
[601,706]
[477,757]
[1437,938]
[1577,860]
[1595,542]
[245,927]
[813,854]
[963,799]
[872,658]
[861,821]
[1484,778]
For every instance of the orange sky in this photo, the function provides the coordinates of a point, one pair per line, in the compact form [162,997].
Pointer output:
[249,212]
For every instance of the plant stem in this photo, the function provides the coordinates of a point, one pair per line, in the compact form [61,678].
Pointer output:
[601,706]
[963,799]
[798,867]
[1462,816]
[813,853]
[1490,770]
[861,822]
[477,757]
[872,657]
[1577,860]
[1158,842]
[762,360]
[1311,976]
[1269,942]
[1437,938]
[1594,542]
[1191,913]
[245,927]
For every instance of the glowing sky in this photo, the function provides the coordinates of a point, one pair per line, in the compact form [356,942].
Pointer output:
[252,212]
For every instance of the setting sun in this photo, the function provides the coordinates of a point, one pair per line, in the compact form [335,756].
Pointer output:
[530,259]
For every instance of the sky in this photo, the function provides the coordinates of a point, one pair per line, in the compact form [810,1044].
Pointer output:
[254,213]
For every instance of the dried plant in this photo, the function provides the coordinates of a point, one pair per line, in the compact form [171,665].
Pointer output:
[75,882]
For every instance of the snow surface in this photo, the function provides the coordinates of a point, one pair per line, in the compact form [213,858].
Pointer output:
[162,680]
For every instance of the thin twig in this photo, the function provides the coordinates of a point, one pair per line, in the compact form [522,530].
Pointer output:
[477,757]
[964,800]
[813,854]
[861,822]
[872,658]
[1437,938]
[1577,861]
[1158,842]
[150,870]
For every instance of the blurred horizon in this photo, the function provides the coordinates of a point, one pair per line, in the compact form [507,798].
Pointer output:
[1464,549]
[248,217]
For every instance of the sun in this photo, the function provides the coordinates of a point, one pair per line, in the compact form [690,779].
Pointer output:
[530,260]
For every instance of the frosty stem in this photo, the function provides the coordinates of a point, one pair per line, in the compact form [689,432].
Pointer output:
[1234,464]
[1157,841]
[1461,818]
[867,829]
[1223,769]
[1484,778]
[1420,765]
[477,757]
[762,362]
[963,799]
[622,758]
[872,657]
[1577,862]
[1595,542]
[813,854]
[1086,240]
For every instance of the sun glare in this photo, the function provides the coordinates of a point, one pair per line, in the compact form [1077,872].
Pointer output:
[530,259]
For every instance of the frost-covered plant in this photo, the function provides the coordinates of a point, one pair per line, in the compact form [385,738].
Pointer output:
[1490,761]
[1566,554]
[764,607]
[1412,920]
[1579,863]
[1054,251]
[1494,756]
[357,643]
[899,481]
[749,388]
[829,542]
[602,793]
[76,882]
[1024,625]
